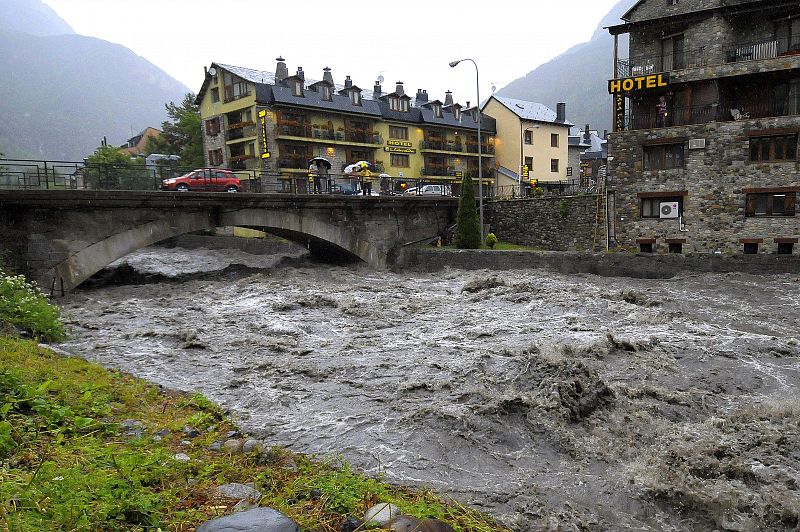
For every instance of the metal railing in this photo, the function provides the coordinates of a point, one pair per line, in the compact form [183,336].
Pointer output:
[763,49]
[642,65]
[701,114]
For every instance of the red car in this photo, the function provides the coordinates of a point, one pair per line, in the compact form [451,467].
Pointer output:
[204,180]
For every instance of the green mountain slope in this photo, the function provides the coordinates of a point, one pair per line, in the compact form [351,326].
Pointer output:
[62,93]
[577,77]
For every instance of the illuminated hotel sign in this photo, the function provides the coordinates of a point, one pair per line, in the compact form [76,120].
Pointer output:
[619,112]
[399,146]
[637,83]
[262,118]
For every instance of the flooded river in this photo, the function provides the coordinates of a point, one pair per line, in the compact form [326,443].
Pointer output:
[548,400]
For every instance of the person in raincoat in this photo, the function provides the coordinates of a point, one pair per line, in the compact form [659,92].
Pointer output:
[366,181]
[313,177]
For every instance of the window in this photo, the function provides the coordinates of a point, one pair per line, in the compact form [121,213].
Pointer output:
[554,140]
[785,248]
[403,105]
[215,94]
[399,160]
[774,148]
[775,203]
[355,97]
[326,93]
[529,137]
[645,247]
[213,126]
[672,53]
[651,207]
[396,132]
[457,113]
[672,2]
[215,157]
[554,165]
[676,247]
[663,156]
[235,87]
[437,110]
[394,104]
[750,248]
[529,162]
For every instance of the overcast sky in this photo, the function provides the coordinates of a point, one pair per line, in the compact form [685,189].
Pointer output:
[411,40]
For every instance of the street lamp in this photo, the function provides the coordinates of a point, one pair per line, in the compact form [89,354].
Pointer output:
[480,160]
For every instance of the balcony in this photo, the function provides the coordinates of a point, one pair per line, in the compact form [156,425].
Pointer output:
[769,49]
[702,114]
[241,130]
[441,145]
[643,65]
[323,133]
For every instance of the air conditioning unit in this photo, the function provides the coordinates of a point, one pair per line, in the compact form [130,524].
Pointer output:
[697,144]
[668,209]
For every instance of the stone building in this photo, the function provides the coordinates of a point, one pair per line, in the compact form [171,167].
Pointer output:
[704,153]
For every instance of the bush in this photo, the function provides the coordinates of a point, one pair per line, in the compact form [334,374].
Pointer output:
[22,304]
[491,240]
[468,225]
[538,191]
[563,208]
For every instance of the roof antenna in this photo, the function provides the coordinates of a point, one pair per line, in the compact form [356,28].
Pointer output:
[494,87]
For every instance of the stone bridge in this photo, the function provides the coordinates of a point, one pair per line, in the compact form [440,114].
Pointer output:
[61,238]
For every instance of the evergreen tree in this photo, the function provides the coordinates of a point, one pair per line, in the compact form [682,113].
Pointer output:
[112,169]
[468,230]
[182,135]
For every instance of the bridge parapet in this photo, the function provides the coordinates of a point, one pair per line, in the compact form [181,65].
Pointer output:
[61,238]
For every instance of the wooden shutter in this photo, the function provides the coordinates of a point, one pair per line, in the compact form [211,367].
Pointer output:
[789,203]
[750,205]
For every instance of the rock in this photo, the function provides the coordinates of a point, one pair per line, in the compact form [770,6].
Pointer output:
[217,445]
[157,439]
[185,442]
[234,490]
[405,523]
[163,433]
[381,513]
[256,520]
[191,432]
[351,524]
[234,433]
[192,481]
[133,428]
[315,494]
[180,457]
[251,445]
[233,446]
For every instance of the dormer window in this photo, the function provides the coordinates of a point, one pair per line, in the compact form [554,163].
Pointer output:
[403,105]
[326,93]
[355,97]
[394,104]
[474,115]
[297,87]
[457,113]
[437,110]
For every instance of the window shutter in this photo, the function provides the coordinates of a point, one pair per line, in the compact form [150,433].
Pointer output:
[208,127]
[750,205]
[789,203]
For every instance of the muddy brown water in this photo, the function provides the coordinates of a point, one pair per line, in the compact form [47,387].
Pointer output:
[550,401]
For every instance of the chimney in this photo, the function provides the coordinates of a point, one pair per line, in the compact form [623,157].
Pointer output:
[281,72]
[348,82]
[301,74]
[467,104]
[448,98]
[605,133]
[422,97]
[561,112]
[327,76]
[399,88]
[376,90]
[586,135]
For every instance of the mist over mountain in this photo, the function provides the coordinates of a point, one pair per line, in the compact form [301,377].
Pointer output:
[63,92]
[578,76]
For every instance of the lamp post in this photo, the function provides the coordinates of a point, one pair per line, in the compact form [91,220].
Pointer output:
[480,160]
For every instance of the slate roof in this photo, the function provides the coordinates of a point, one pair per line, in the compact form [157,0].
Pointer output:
[280,95]
[533,111]
[577,140]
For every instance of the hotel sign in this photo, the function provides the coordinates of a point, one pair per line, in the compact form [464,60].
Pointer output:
[637,83]
[262,118]
[399,149]
[399,143]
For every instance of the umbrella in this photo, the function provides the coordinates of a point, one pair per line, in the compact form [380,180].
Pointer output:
[320,161]
[351,169]
[366,165]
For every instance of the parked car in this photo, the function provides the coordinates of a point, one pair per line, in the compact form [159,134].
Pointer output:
[205,180]
[429,190]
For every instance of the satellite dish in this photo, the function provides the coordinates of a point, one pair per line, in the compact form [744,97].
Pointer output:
[212,71]
[494,88]
[380,77]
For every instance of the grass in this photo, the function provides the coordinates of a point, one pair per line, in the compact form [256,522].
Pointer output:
[23,305]
[66,463]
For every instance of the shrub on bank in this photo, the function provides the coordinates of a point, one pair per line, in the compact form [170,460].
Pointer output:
[23,305]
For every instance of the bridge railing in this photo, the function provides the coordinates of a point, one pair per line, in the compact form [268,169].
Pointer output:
[71,175]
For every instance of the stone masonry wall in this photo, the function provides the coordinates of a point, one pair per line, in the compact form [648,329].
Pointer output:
[545,224]
[714,207]
[650,9]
